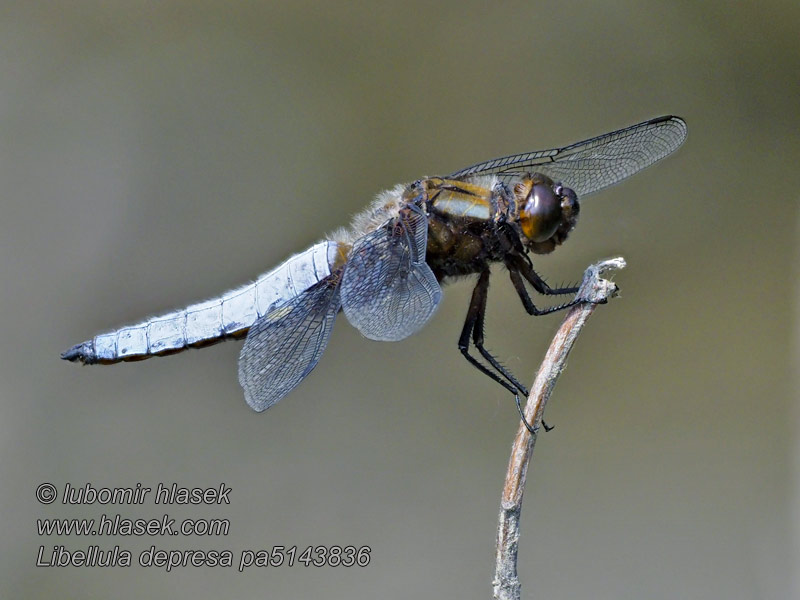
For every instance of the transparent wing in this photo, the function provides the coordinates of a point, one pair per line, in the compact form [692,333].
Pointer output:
[388,291]
[594,164]
[283,346]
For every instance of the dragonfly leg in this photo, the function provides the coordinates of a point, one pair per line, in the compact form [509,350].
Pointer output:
[478,339]
[530,307]
[526,270]
[525,267]
[473,326]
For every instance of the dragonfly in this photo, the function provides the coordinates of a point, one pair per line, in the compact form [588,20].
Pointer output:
[385,270]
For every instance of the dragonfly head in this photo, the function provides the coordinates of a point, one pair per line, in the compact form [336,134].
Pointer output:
[548,211]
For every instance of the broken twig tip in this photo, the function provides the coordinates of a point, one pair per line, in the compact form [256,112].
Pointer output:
[594,288]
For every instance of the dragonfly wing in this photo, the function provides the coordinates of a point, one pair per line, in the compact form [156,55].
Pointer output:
[388,290]
[597,163]
[284,345]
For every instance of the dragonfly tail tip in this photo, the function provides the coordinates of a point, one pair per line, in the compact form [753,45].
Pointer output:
[79,353]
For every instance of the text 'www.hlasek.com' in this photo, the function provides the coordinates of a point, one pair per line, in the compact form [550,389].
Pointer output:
[162,525]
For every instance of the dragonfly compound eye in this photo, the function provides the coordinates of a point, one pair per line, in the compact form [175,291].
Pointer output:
[541,215]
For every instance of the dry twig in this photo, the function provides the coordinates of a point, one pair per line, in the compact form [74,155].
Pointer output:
[595,290]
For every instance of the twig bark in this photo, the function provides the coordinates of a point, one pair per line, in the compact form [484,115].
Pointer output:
[595,290]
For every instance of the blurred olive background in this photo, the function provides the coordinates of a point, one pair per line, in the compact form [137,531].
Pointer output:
[155,154]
